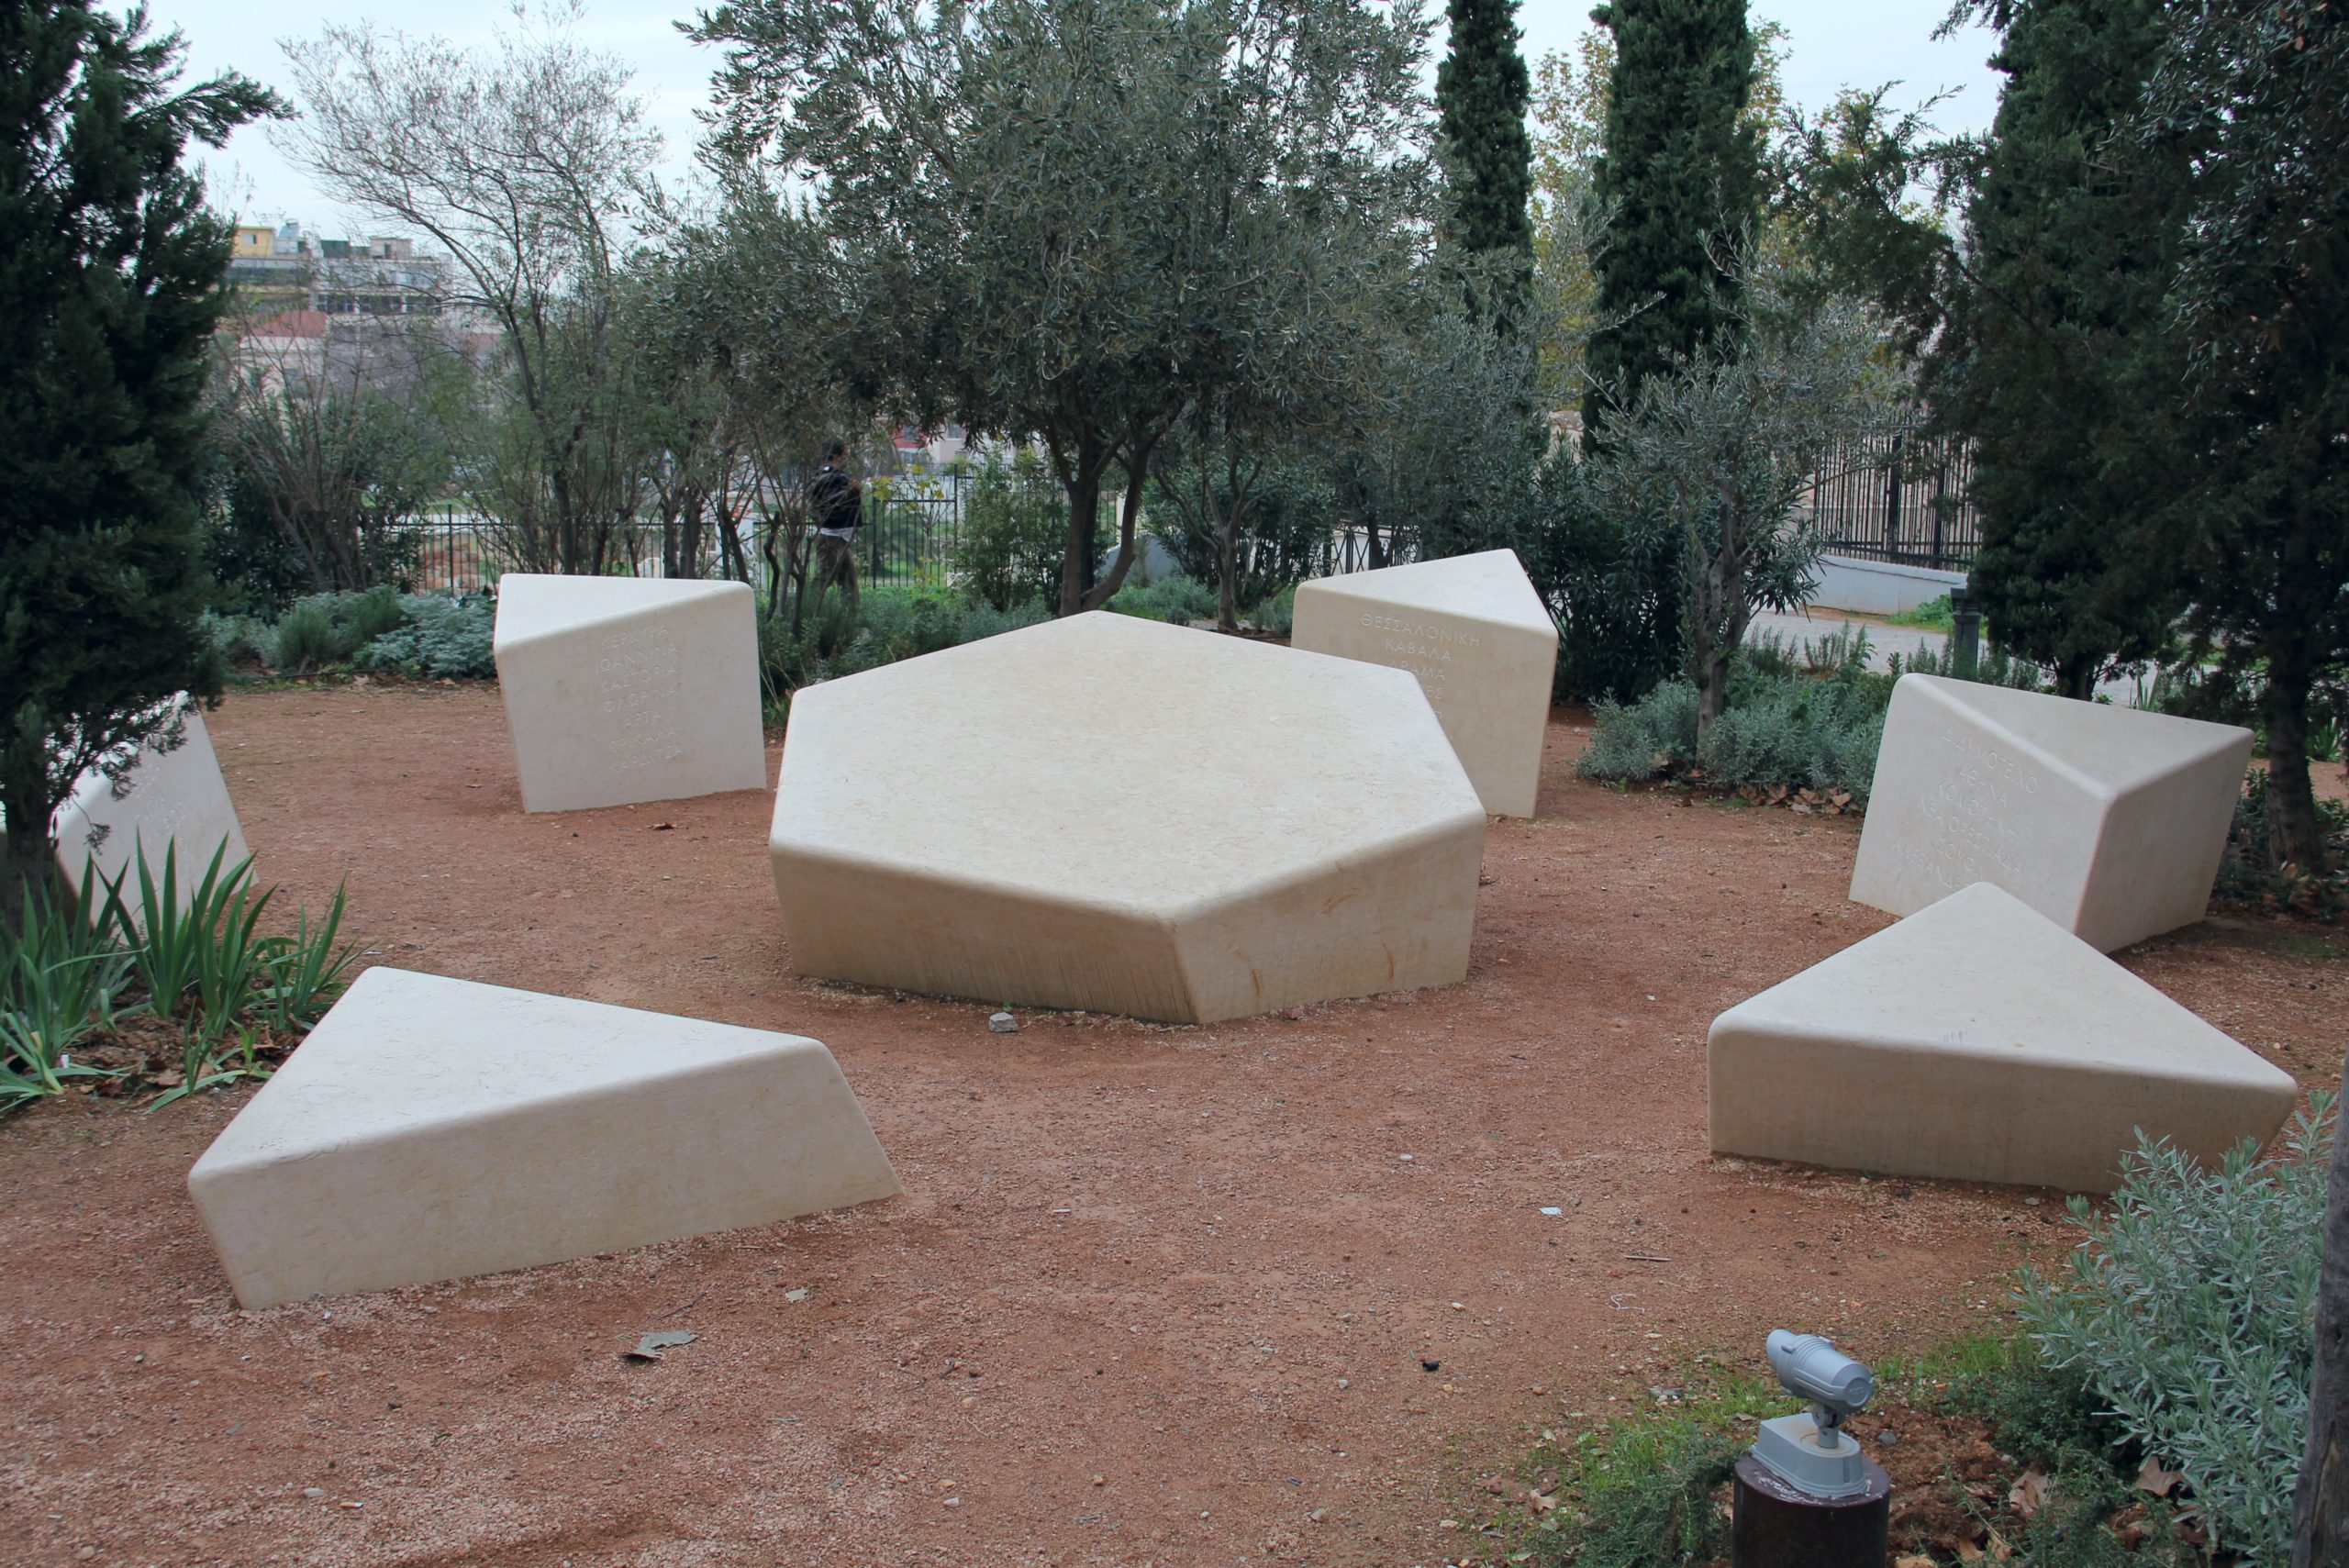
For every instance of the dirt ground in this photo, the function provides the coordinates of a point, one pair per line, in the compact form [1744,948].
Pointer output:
[1274,1291]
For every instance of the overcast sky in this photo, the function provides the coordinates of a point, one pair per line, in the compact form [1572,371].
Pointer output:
[1833,42]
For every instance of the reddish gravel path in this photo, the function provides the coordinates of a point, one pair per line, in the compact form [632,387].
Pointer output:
[1154,1294]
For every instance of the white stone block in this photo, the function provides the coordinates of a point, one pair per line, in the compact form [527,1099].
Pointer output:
[1117,815]
[1479,639]
[627,689]
[431,1128]
[1978,1041]
[2107,820]
[174,799]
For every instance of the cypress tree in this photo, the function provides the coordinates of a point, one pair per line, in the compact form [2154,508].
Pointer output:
[110,287]
[1481,91]
[2056,361]
[1680,182]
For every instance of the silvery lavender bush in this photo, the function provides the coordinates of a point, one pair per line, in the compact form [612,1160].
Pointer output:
[2190,1309]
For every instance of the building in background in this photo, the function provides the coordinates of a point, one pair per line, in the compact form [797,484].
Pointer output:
[277,267]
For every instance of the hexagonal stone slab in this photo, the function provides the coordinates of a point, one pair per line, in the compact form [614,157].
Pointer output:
[1479,639]
[431,1128]
[1977,1039]
[2107,820]
[176,800]
[627,689]
[1112,813]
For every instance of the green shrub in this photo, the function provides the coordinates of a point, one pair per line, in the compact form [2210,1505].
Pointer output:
[1014,533]
[2245,870]
[438,635]
[239,639]
[307,639]
[1641,740]
[1650,1501]
[2043,1414]
[1778,730]
[892,623]
[1178,601]
[1995,667]
[370,615]
[2189,1312]
[1276,615]
[1934,615]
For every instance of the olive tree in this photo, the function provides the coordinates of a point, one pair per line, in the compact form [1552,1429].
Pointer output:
[1718,449]
[1069,220]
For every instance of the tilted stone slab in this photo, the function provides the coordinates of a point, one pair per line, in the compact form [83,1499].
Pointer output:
[173,800]
[1475,633]
[1113,813]
[431,1128]
[2107,821]
[1978,1041]
[627,689]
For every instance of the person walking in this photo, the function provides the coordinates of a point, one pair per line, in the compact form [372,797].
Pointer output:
[835,504]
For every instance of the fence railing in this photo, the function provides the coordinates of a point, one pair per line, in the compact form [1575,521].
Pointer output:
[912,528]
[1899,497]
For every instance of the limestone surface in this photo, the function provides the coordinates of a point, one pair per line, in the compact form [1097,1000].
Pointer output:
[2107,821]
[627,689]
[1479,639]
[174,799]
[1121,816]
[431,1128]
[1978,1040]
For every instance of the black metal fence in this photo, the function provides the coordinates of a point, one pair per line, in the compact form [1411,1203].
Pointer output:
[912,527]
[454,555]
[1899,497]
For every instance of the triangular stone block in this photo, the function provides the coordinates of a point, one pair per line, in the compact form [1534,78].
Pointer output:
[1113,813]
[1978,1040]
[175,800]
[1478,637]
[431,1128]
[627,689]
[2107,821]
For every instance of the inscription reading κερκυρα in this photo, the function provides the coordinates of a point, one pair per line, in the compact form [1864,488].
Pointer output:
[1976,798]
[638,677]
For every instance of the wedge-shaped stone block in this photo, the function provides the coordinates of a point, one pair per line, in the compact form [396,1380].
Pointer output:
[1479,639]
[431,1128]
[627,689]
[1113,813]
[168,800]
[1978,1040]
[2107,821]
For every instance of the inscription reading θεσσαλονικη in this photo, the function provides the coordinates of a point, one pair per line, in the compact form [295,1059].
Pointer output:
[1421,630]
[1974,803]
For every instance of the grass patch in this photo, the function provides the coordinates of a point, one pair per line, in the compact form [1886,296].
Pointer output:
[1934,615]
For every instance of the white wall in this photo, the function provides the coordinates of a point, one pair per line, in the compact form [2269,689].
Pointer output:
[1877,587]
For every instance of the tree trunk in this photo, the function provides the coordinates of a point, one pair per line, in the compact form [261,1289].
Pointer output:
[1128,512]
[1719,588]
[1077,564]
[2294,834]
[1712,685]
[2321,1502]
[30,854]
[1227,567]
[2076,677]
